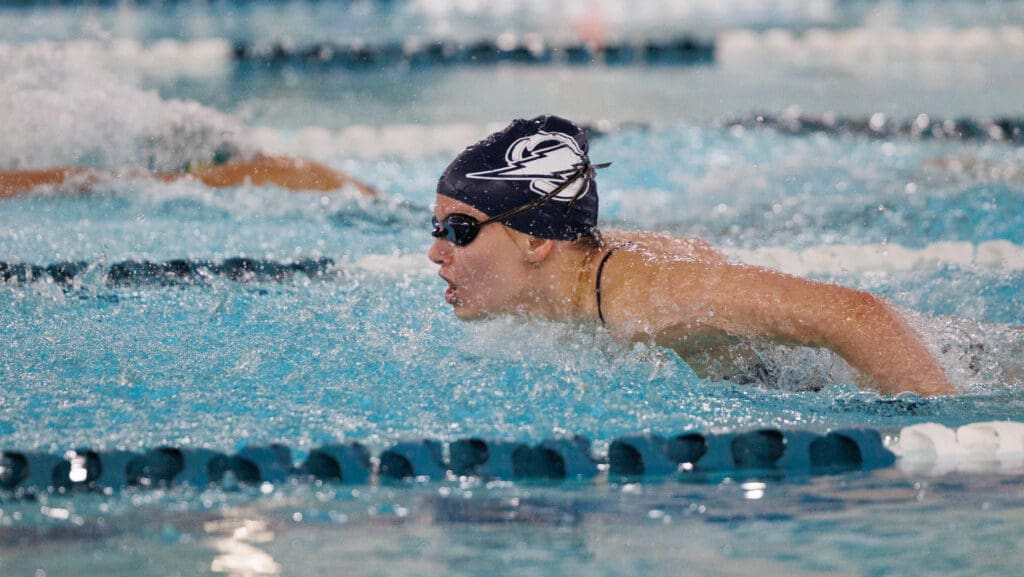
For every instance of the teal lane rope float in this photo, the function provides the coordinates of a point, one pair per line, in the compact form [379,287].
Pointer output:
[691,456]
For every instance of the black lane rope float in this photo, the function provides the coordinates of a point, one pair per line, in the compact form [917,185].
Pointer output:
[689,456]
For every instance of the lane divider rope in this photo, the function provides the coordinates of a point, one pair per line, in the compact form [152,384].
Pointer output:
[880,126]
[692,455]
[171,272]
[689,456]
[684,51]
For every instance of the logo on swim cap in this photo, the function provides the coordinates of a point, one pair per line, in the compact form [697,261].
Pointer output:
[547,160]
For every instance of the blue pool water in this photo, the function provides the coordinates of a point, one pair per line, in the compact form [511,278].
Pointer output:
[370,352]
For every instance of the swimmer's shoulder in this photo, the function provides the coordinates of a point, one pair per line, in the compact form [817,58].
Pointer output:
[652,280]
[660,246]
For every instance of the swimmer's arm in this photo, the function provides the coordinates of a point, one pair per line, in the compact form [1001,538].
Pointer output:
[750,302]
[859,326]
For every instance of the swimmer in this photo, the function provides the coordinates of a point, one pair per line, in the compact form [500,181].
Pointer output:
[515,233]
[260,170]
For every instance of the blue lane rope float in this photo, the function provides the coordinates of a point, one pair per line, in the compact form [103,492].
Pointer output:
[172,272]
[681,51]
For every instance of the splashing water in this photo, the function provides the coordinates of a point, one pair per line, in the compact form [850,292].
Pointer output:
[60,108]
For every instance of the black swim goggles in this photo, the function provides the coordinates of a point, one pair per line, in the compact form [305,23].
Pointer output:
[460,229]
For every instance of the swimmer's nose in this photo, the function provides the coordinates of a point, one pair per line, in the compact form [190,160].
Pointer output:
[439,251]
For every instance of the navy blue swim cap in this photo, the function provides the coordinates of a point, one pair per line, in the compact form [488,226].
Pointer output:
[521,163]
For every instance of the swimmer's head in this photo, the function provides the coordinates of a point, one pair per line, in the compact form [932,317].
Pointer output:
[539,165]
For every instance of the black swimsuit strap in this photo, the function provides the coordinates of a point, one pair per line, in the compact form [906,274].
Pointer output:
[597,288]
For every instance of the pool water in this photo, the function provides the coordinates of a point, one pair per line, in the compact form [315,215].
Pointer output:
[369,352]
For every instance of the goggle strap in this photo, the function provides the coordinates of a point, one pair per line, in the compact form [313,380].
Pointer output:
[576,196]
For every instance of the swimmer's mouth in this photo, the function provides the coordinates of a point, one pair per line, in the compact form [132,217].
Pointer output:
[451,294]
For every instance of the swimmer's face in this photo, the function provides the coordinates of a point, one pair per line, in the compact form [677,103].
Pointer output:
[485,277]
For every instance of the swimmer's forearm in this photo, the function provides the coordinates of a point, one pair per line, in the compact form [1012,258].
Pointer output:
[879,343]
[860,327]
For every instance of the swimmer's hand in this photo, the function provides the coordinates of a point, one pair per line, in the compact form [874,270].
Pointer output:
[684,304]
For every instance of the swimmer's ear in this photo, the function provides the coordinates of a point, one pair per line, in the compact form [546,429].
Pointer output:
[538,249]
[534,249]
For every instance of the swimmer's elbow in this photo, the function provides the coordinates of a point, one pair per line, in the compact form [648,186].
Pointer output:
[862,308]
[853,318]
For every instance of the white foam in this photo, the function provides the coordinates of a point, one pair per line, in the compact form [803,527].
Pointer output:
[58,106]
[998,255]
[210,57]
[858,48]
[364,141]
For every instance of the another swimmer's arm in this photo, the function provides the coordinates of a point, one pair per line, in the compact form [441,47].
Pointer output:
[690,300]
[290,173]
[15,182]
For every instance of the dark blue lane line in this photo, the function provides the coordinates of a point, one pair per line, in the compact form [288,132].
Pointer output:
[680,51]
[922,127]
[1006,129]
[172,272]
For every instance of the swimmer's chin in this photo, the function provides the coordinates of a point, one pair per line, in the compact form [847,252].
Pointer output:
[467,311]
[464,313]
